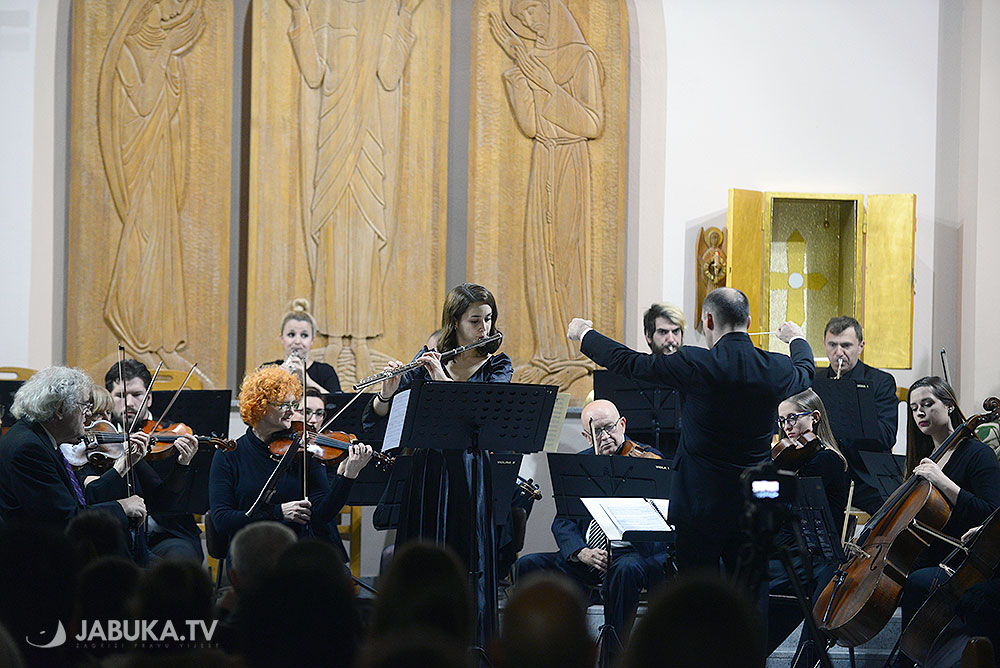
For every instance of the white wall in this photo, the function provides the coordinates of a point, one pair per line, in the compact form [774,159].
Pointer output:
[17,74]
[784,95]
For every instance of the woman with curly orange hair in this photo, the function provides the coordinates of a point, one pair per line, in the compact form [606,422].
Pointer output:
[268,397]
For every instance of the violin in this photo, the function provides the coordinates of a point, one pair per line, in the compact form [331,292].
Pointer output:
[529,487]
[633,449]
[330,447]
[88,451]
[161,442]
[793,453]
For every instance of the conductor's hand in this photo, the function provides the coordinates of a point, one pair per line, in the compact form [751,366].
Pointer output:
[297,511]
[134,507]
[358,455]
[594,558]
[578,328]
[788,331]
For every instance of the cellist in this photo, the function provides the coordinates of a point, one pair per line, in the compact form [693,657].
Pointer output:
[968,476]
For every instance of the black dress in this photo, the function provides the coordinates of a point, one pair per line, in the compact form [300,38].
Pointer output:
[322,374]
[438,503]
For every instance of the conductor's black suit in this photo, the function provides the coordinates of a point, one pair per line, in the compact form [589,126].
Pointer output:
[729,399]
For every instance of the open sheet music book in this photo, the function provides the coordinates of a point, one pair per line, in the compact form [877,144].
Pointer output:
[397,415]
[630,519]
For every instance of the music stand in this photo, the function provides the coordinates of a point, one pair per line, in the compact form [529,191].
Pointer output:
[207,413]
[8,388]
[647,408]
[881,472]
[351,421]
[475,417]
[819,530]
[575,476]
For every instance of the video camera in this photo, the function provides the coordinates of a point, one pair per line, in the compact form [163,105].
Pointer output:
[767,487]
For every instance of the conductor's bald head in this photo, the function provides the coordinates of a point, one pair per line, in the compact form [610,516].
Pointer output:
[724,310]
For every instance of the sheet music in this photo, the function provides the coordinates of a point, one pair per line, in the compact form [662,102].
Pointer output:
[554,432]
[618,515]
[397,415]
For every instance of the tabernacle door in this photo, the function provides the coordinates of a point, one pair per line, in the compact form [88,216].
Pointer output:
[890,224]
[745,250]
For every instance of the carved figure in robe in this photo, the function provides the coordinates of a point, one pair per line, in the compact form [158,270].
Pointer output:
[143,129]
[554,91]
[352,55]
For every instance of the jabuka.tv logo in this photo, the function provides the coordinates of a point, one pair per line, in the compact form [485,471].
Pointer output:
[144,632]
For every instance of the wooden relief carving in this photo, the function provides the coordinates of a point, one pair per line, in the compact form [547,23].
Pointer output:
[150,187]
[348,133]
[541,80]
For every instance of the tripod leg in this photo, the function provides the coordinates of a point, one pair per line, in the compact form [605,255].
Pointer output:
[804,604]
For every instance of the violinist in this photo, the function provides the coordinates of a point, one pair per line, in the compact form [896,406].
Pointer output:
[968,475]
[36,482]
[171,533]
[298,332]
[626,568]
[268,398]
[799,414]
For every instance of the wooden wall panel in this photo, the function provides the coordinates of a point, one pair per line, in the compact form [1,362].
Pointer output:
[348,152]
[149,202]
[547,189]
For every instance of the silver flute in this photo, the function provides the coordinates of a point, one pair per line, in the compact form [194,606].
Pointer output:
[445,356]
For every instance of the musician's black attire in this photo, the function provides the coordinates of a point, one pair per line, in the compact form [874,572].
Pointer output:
[634,567]
[867,422]
[237,477]
[729,399]
[172,534]
[974,468]
[784,616]
[438,505]
[322,374]
[36,484]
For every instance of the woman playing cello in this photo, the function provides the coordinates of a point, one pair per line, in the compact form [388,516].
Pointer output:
[968,476]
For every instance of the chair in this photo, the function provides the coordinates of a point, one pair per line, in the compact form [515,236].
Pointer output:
[16,373]
[171,379]
[351,532]
[217,547]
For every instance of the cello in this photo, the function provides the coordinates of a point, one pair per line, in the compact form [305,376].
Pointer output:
[862,595]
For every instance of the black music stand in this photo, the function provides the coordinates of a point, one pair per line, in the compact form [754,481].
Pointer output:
[351,420]
[476,418]
[647,408]
[819,529]
[370,486]
[576,476]
[207,413]
[881,472]
[8,388]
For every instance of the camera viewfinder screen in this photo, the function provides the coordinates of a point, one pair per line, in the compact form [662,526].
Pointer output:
[765,489]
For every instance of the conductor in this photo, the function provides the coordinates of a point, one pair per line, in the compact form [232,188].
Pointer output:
[729,398]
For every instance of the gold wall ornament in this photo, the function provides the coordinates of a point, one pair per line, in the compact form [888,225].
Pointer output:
[547,175]
[347,171]
[808,257]
[149,193]
[711,265]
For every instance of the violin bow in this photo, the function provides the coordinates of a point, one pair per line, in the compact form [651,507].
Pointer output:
[339,413]
[170,404]
[305,463]
[128,457]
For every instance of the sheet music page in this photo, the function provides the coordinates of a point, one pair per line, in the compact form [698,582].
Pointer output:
[554,432]
[661,505]
[397,415]
[617,515]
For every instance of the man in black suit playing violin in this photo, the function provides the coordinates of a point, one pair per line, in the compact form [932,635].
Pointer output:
[729,397]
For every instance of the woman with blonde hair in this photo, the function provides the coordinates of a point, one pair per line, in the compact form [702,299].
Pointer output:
[298,332]
[268,397]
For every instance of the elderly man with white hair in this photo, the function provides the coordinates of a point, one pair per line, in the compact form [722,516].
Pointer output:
[36,483]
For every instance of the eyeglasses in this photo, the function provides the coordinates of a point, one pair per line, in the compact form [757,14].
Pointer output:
[284,406]
[315,412]
[790,420]
[608,429]
[86,407]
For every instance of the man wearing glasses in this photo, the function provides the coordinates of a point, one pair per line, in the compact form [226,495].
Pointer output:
[36,482]
[586,557]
